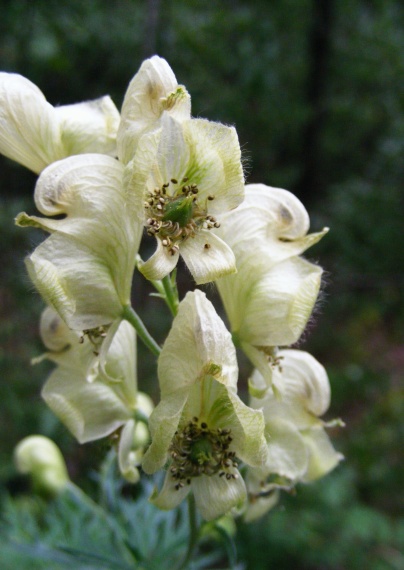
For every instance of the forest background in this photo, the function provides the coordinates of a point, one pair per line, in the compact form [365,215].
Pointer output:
[315,89]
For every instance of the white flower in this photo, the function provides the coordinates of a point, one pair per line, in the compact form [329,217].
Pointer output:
[84,269]
[187,174]
[270,221]
[96,404]
[152,91]
[270,299]
[299,450]
[35,134]
[184,172]
[201,426]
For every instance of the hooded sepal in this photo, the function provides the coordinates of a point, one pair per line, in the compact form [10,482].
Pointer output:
[35,134]
[153,91]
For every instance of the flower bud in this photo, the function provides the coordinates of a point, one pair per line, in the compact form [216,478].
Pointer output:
[39,457]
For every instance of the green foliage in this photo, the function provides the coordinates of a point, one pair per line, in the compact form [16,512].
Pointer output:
[123,532]
[325,526]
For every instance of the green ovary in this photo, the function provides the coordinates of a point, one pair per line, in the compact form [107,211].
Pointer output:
[179,210]
[201,451]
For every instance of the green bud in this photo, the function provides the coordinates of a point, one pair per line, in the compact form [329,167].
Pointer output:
[39,457]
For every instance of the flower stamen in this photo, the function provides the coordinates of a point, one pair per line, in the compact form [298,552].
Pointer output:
[197,450]
[175,217]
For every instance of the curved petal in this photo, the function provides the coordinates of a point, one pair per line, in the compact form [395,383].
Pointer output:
[272,222]
[306,381]
[88,190]
[304,392]
[153,90]
[160,264]
[259,382]
[29,130]
[54,332]
[258,506]
[207,257]
[173,154]
[77,186]
[77,284]
[215,496]
[89,127]
[120,341]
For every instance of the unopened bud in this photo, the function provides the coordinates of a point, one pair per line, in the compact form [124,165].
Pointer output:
[39,457]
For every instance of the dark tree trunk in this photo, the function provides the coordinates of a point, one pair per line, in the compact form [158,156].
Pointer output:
[151,28]
[311,185]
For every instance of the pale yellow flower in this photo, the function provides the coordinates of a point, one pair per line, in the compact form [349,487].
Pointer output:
[271,297]
[299,449]
[201,427]
[97,399]
[35,134]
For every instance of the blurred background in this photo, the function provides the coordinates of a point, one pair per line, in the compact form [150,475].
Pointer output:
[315,89]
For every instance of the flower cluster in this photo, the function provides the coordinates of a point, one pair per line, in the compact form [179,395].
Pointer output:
[105,179]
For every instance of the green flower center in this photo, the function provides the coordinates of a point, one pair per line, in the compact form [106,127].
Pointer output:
[176,213]
[197,450]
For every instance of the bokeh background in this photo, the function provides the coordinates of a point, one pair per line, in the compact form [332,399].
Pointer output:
[315,89]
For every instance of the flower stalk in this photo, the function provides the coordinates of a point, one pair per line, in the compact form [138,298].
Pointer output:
[130,315]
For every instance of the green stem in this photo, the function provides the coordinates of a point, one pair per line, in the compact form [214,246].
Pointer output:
[171,294]
[130,315]
[193,534]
